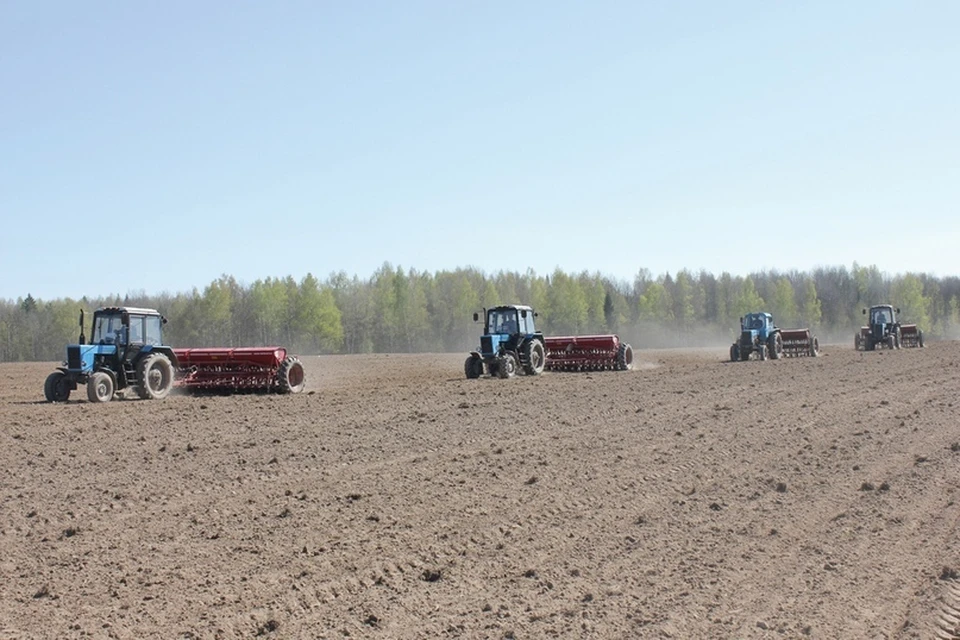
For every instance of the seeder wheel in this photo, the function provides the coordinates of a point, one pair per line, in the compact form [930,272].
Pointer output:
[290,377]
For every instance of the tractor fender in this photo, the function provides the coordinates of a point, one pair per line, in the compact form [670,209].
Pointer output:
[167,351]
[72,377]
[476,354]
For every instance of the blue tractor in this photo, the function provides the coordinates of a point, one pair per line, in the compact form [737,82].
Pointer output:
[510,343]
[126,350]
[883,331]
[758,335]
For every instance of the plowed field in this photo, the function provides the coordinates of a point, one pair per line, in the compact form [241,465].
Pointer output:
[689,498]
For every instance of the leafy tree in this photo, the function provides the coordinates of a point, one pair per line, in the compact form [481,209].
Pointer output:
[784,304]
[907,292]
[810,308]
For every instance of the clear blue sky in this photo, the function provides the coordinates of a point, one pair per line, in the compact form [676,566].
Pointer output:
[156,145]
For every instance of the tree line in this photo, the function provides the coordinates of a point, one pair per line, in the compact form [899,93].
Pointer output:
[405,310]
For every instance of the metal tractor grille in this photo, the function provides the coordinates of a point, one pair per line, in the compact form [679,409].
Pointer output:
[746,337]
[73,357]
[486,345]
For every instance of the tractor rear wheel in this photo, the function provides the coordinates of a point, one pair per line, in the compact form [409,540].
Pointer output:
[776,346]
[154,377]
[56,388]
[534,358]
[624,357]
[290,375]
[100,387]
[507,366]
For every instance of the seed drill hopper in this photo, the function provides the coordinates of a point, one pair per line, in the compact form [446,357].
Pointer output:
[240,369]
[588,353]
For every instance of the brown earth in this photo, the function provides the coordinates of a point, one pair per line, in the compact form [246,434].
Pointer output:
[690,498]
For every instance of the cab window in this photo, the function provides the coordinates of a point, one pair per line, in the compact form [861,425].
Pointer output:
[152,334]
[136,330]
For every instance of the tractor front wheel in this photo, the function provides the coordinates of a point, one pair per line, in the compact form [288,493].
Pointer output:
[56,388]
[290,375]
[473,367]
[762,351]
[507,366]
[534,358]
[734,352]
[154,377]
[100,387]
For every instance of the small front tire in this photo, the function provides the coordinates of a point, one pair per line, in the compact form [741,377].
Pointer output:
[56,388]
[473,367]
[734,352]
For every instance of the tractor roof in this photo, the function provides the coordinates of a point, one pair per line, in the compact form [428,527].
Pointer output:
[882,306]
[518,307]
[137,310]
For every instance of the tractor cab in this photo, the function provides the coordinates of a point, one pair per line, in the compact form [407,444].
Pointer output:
[882,314]
[759,326]
[509,321]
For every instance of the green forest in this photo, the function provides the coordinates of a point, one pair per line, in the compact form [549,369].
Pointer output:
[405,310]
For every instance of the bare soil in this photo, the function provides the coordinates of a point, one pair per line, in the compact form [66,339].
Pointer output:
[689,498]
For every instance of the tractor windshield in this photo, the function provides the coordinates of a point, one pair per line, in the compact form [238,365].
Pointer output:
[502,321]
[881,315]
[753,321]
[106,328]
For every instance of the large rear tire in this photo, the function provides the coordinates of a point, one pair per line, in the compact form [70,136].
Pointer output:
[154,377]
[473,367]
[507,366]
[624,357]
[775,347]
[56,388]
[290,376]
[100,387]
[534,358]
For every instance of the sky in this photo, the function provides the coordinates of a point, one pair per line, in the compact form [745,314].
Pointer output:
[153,146]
